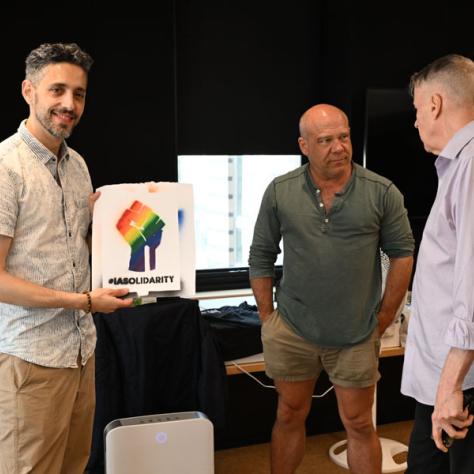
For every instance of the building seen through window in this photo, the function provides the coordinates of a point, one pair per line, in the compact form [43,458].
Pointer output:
[227,193]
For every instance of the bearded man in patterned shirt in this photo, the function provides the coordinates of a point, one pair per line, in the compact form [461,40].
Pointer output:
[47,335]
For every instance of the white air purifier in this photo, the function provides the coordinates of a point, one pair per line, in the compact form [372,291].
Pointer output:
[171,443]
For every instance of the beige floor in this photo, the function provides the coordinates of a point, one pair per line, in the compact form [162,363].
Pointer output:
[254,459]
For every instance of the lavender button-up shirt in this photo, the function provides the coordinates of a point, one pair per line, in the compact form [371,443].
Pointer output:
[443,289]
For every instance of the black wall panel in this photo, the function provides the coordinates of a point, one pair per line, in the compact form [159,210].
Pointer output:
[246,72]
[127,132]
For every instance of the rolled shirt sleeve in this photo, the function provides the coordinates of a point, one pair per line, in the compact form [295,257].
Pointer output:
[266,238]
[396,238]
[460,332]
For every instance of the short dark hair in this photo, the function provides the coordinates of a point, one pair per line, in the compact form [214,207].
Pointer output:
[51,53]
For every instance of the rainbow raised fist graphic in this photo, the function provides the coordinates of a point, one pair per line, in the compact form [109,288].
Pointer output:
[141,227]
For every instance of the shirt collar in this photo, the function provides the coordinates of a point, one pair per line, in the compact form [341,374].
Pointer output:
[41,152]
[347,186]
[458,141]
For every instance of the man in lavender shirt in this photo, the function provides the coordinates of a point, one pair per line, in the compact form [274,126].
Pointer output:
[440,346]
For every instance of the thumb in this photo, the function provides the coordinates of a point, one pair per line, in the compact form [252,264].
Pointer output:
[93,197]
[152,187]
[92,200]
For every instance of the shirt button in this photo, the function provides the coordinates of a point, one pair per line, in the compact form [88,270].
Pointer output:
[70,235]
[321,204]
[73,264]
[326,220]
[318,191]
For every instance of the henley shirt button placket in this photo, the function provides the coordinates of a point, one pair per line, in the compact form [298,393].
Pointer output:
[324,225]
[321,206]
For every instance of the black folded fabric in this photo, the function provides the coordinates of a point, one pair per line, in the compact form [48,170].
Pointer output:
[236,330]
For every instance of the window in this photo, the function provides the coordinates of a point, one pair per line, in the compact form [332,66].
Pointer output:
[227,193]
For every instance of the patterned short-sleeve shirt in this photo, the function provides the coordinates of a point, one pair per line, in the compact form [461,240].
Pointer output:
[44,209]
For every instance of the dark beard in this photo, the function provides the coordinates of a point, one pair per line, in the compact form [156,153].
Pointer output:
[47,123]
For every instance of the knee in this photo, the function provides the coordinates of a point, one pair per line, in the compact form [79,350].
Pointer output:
[360,425]
[292,414]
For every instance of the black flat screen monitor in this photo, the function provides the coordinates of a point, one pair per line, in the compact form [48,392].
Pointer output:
[392,148]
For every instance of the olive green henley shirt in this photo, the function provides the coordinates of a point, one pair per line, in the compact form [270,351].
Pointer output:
[330,290]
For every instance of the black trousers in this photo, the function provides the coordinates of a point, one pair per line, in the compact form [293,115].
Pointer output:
[425,458]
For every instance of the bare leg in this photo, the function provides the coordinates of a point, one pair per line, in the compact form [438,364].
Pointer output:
[364,454]
[289,434]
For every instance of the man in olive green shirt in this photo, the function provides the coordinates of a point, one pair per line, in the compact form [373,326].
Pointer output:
[334,217]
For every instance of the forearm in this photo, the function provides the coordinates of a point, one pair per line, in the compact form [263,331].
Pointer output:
[21,292]
[449,413]
[262,288]
[457,364]
[398,279]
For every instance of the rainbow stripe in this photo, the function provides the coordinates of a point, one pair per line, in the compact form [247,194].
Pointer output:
[140,226]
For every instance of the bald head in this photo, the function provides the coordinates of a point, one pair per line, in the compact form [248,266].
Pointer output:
[321,116]
[325,139]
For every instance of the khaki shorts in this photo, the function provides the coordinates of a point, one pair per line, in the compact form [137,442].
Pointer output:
[46,417]
[290,358]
